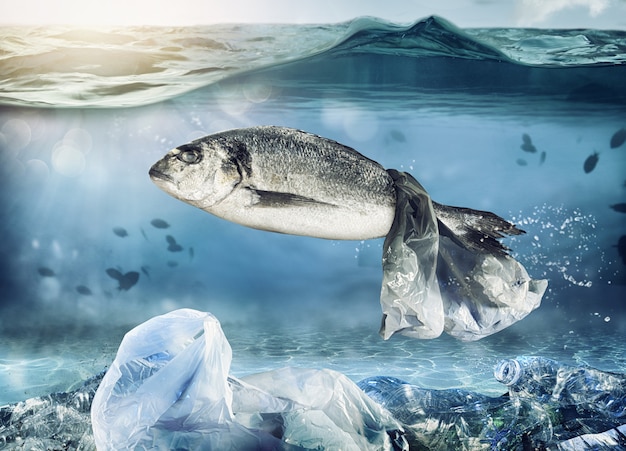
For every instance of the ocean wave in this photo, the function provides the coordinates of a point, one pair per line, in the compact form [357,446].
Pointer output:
[121,67]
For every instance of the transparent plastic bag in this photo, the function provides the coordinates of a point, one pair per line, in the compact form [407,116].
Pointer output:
[410,297]
[169,388]
[431,283]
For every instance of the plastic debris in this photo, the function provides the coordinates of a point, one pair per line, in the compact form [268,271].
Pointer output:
[432,284]
[169,388]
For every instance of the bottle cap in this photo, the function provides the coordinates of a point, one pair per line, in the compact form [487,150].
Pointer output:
[508,371]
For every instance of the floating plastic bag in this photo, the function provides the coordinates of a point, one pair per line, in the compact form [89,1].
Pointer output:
[433,284]
[168,388]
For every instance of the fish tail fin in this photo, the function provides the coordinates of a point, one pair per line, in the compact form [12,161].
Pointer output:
[474,230]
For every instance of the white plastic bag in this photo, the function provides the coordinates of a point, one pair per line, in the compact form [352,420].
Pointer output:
[410,297]
[168,388]
[432,284]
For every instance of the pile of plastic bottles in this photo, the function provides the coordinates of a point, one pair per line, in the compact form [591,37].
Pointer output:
[549,405]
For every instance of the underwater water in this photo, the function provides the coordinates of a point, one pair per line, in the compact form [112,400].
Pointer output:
[524,123]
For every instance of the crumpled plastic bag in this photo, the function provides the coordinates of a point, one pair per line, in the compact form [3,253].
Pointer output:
[169,388]
[431,284]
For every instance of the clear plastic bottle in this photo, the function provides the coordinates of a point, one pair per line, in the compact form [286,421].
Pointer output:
[589,389]
[460,419]
[529,377]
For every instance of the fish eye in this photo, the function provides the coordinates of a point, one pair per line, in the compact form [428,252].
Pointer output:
[190,156]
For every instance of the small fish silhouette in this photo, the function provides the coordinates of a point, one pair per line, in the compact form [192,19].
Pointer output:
[618,138]
[527,145]
[125,281]
[85,291]
[397,135]
[591,162]
[159,223]
[45,272]
[173,246]
[120,231]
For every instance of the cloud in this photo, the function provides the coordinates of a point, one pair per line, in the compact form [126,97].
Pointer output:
[531,12]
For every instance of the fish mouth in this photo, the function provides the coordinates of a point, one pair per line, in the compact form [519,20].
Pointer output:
[157,175]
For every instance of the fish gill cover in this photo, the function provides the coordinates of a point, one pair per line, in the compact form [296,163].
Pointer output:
[117,67]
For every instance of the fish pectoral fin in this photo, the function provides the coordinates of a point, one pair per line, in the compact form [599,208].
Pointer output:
[275,199]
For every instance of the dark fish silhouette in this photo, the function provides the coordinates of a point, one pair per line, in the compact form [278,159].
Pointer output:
[397,135]
[159,223]
[190,253]
[527,145]
[85,291]
[45,272]
[542,159]
[173,246]
[145,270]
[522,162]
[172,264]
[125,281]
[120,231]
[621,207]
[618,138]
[143,233]
[591,162]
[621,248]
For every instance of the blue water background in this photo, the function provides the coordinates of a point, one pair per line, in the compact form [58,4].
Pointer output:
[450,109]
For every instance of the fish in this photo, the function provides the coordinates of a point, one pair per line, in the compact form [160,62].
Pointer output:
[542,158]
[439,261]
[143,233]
[397,136]
[120,231]
[45,271]
[289,181]
[527,144]
[621,207]
[191,253]
[618,138]
[521,162]
[146,271]
[125,281]
[591,162]
[159,223]
[173,246]
[172,264]
[85,291]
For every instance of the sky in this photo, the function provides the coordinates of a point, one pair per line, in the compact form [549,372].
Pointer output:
[606,14]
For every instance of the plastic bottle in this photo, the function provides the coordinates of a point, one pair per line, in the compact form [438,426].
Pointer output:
[460,419]
[589,389]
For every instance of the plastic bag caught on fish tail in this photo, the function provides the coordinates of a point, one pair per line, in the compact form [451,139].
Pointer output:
[433,283]
[483,293]
[410,297]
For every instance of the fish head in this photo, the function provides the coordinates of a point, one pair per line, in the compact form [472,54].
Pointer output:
[202,173]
